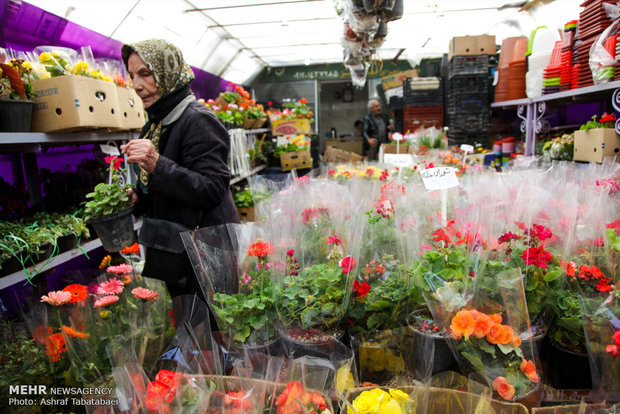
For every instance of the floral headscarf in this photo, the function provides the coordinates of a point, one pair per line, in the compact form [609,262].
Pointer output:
[171,75]
[166,62]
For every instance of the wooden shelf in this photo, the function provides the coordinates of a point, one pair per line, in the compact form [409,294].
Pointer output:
[64,257]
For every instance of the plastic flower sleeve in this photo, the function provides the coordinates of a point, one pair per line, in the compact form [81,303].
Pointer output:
[379,300]
[234,269]
[601,322]
[265,192]
[602,53]
[312,287]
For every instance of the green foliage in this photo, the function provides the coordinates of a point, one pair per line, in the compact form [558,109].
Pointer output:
[108,198]
[314,298]
[289,147]
[245,199]
[433,142]
[384,305]
[606,121]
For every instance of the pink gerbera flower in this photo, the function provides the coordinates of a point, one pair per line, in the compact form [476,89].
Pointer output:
[56,298]
[105,301]
[145,294]
[120,269]
[111,287]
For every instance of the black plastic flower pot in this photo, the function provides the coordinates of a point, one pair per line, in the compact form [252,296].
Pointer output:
[425,341]
[15,115]
[115,230]
[66,243]
[566,369]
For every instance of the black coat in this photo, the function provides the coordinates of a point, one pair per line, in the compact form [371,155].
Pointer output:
[190,185]
[371,129]
[191,181]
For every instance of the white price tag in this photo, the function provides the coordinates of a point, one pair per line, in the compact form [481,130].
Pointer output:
[399,160]
[109,149]
[397,136]
[439,178]
[467,148]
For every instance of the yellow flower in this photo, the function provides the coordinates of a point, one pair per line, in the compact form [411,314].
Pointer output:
[368,402]
[390,406]
[399,396]
[45,57]
[80,68]
[344,379]
[104,314]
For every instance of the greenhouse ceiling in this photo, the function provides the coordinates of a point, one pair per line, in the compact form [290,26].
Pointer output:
[236,39]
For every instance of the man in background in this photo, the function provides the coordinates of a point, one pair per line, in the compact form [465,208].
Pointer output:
[375,129]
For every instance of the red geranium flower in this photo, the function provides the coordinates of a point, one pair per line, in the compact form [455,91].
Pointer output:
[361,289]
[347,264]
[587,273]
[506,237]
[608,118]
[260,249]
[603,285]
[568,267]
[114,161]
[333,239]
[537,256]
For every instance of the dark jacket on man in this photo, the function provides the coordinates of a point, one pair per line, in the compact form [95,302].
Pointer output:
[371,129]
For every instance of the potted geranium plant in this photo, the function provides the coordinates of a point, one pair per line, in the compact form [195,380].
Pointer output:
[16,95]
[596,140]
[109,209]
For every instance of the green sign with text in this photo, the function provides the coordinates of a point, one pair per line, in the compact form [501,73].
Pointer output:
[335,71]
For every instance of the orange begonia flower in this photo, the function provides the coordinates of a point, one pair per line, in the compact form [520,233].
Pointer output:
[462,324]
[506,335]
[515,341]
[529,369]
[495,334]
[482,325]
[497,318]
[503,388]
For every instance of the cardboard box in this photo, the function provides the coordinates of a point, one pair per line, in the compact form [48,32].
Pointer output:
[295,160]
[72,103]
[396,80]
[246,214]
[290,127]
[596,144]
[131,108]
[351,145]
[472,46]
[336,155]
[397,149]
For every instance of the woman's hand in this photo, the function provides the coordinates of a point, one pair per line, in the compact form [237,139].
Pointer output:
[141,152]
[133,197]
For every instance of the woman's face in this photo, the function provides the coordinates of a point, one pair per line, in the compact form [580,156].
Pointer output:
[143,80]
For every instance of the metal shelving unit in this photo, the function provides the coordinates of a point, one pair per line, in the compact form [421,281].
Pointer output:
[244,176]
[532,110]
[23,274]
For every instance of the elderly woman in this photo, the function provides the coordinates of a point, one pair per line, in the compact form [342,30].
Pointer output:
[180,159]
